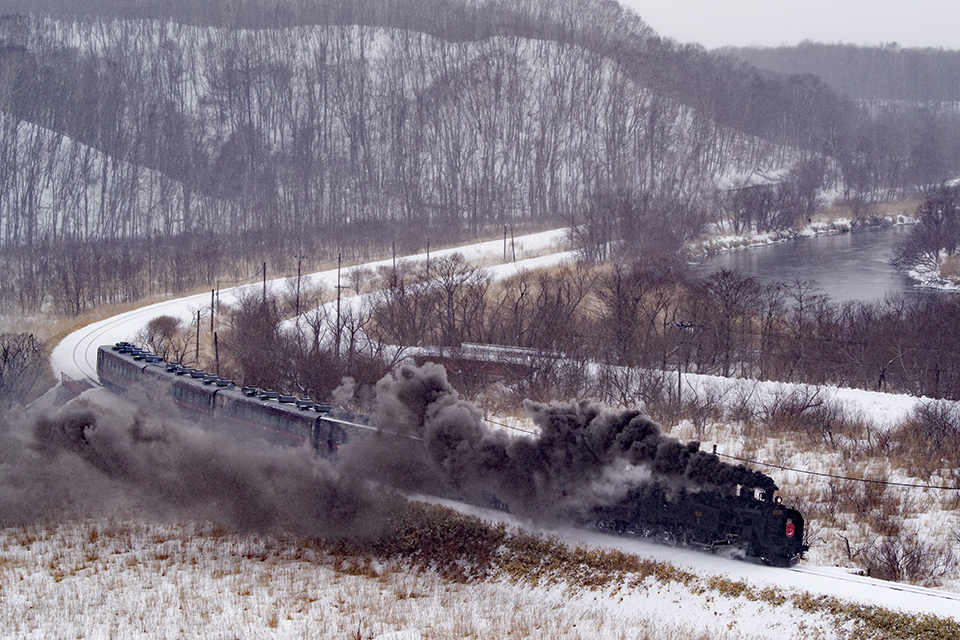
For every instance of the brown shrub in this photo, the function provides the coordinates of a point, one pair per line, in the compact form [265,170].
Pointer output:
[907,558]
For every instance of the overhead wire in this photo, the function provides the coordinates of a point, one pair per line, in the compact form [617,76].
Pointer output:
[507,426]
[838,477]
[783,468]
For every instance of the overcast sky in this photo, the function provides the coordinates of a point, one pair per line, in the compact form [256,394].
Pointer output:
[715,23]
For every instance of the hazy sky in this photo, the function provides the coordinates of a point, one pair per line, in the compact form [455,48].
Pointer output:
[715,23]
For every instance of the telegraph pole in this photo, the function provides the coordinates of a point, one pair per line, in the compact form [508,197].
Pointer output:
[337,340]
[299,265]
[197,356]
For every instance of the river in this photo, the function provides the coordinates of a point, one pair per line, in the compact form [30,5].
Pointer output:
[847,266]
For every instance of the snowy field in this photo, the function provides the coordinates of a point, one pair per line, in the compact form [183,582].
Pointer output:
[120,579]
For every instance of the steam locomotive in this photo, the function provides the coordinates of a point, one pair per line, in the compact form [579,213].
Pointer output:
[764,529]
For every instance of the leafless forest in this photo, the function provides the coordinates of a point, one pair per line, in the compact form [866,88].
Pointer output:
[159,148]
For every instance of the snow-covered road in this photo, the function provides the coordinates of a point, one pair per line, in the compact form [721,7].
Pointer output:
[76,354]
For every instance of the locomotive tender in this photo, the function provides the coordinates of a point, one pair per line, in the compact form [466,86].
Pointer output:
[763,528]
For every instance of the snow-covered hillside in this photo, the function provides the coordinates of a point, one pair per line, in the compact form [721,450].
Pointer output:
[125,579]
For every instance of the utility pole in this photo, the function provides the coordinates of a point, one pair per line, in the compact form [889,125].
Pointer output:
[337,338]
[196,358]
[264,283]
[299,265]
[213,307]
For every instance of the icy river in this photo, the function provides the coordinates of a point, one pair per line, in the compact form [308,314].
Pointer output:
[847,266]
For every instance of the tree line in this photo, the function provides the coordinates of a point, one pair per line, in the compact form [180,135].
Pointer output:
[871,73]
[154,128]
[645,316]
[652,314]
[125,129]
[910,128]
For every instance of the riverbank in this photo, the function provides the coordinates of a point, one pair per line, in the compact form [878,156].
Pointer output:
[721,241]
[945,277]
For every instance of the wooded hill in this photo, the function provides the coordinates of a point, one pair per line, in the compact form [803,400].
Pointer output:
[911,97]
[199,137]
[887,72]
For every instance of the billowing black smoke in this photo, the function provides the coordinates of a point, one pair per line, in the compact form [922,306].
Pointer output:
[584,455]
[84,462]
[79,463]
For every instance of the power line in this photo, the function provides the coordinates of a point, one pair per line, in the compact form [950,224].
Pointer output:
[507,426]
[830,475]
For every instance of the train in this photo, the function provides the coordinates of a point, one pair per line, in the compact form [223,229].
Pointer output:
[758,526]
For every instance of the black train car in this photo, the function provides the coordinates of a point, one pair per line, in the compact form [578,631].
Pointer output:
[763,528]
[247,412]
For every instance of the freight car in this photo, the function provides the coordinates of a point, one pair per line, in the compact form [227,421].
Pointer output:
[764,529]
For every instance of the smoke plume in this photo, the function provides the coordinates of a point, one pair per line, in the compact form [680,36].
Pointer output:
[582,452]
[135,460]
[343,394]
[86,462]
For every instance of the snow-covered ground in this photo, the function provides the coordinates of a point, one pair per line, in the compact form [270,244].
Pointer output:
[113,578]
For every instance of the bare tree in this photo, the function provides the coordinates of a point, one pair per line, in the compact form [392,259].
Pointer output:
[21,365]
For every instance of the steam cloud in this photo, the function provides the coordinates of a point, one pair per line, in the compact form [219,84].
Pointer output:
[82,462]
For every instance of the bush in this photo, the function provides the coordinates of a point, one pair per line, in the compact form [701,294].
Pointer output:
[928,440]
[907,558]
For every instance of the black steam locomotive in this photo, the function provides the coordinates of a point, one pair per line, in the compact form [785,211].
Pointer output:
[764,529]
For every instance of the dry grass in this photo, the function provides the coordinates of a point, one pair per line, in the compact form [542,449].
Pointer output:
[950,268]
[440,575]
[893,208]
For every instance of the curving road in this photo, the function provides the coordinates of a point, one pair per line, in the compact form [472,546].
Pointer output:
[76,354]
